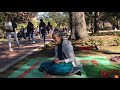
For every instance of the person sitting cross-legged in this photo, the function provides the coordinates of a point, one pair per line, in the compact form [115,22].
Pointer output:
[65,62]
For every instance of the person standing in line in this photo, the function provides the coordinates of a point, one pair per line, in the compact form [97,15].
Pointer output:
[10,28]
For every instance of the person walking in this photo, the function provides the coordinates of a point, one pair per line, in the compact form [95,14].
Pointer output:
[42,27]
[10,28]
[30,31]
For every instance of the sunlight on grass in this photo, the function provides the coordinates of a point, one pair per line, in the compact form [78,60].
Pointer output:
[112,48]
[3,40]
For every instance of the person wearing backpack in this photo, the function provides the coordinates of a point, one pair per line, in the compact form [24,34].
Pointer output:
[10,28]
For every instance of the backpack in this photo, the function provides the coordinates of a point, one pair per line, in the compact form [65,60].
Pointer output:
[8,26]
[14,24]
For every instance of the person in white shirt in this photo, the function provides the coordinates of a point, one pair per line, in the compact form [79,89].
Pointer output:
[10,27]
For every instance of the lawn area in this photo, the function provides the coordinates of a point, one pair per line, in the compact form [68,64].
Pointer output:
[107,50]
[3,40]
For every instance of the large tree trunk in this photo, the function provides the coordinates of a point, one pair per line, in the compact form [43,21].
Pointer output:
[117,23]
[96,30]
[80,25]
[72,36]
[79,30]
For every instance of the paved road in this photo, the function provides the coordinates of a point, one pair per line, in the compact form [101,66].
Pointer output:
[8,58]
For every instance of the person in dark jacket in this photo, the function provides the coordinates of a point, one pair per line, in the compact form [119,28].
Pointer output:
[42,27]
[49,27]
[30,31]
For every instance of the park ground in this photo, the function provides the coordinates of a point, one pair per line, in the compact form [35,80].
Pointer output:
[108,49]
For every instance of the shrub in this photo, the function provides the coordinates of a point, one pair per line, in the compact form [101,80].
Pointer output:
[117,41]
[105,33]
[93,42]
[20,25]
[100,42]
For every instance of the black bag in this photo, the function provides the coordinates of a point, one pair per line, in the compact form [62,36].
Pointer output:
[8,30]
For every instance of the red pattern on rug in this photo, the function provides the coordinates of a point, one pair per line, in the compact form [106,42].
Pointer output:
[28,70]
[85,62]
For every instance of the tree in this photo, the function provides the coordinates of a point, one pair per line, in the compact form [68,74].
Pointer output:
[79,30]
[71,22]
[112,17]
[20,17]
[88,17]
[60,18]
[96,29]
[72,36]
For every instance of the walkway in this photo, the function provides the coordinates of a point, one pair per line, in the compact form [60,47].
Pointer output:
[7,58]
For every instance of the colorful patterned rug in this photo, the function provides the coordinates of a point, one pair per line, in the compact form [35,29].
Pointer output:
[92,67]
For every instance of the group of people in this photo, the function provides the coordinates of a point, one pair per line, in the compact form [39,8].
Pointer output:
[10,28]
[42,30]
[64,63]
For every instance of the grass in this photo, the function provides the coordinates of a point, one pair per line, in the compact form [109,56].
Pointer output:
[48,52]
[115,33]
[3,40]
[111,48]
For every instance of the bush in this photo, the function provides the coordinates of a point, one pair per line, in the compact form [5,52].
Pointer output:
[100,42]
[90,42]
[35,24]
[105,33]
[117,41]
[20,25]
[93,42]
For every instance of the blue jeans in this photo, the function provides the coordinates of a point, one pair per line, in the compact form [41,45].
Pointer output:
[43,36]
[31,36]
[56,69]
[9,35]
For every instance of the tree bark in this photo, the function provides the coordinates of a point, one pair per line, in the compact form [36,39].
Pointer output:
[79,30]
[80,26]
[72,36]
[96,30]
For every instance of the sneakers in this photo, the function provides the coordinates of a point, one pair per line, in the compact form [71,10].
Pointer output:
[11,49]
[78,73]
[20,45]
[33,42]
